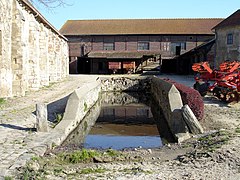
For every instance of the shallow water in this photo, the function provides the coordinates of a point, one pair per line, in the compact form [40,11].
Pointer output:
[125,126]
[121,121]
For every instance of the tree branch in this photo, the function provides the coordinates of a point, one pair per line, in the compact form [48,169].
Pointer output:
[49,3]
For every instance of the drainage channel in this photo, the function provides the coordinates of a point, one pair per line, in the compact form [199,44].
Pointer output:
[121,121]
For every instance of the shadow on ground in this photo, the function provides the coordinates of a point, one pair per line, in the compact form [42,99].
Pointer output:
[56,108]
[10,126]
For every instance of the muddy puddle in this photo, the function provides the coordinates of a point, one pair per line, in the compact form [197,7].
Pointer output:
[121,121]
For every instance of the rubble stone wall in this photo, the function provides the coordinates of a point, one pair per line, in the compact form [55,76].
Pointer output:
[125,83]
[32,53]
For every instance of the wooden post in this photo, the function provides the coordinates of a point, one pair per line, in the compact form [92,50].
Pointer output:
[41,117]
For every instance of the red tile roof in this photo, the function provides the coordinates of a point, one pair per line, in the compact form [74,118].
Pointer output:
[139,26]
[232,20]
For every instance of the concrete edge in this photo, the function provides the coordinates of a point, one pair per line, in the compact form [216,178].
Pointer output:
[78,104]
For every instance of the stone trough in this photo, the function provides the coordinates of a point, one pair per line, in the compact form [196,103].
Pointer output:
[180,119]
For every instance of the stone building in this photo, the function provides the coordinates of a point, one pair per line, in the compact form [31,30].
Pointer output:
[99,46]
[228,39]
[32,52]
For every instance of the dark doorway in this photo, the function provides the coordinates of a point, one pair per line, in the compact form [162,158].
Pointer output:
[169,66]
[178,50]
[84,66]
[82,50]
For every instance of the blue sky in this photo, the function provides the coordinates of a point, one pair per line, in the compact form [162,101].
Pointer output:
[139,9]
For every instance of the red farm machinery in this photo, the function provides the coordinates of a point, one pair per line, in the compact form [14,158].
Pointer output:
[223,83]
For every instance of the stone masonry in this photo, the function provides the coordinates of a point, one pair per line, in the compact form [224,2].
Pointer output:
[32,52]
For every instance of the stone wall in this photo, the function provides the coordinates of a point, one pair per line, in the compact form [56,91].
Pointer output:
[226,51]
[32,52]
[126,83]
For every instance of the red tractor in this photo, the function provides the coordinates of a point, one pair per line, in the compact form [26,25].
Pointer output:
[223,83]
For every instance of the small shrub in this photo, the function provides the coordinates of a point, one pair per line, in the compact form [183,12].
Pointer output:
[191,97]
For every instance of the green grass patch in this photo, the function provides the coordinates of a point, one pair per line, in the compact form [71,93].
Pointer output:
[214,141]
[93,171]
[78,156]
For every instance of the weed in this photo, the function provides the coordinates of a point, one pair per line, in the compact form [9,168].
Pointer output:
[57,170]
[58,117]
[8,178]
[112,152]
[91,171]
[237,130]
[35,158]
[214,141]
[2,101]
[28,173]
[85,106]
[78,156]
[85,126]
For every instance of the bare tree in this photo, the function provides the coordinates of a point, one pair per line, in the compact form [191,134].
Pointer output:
[49,3]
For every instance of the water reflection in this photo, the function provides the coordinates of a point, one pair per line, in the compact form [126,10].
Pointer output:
[123,120]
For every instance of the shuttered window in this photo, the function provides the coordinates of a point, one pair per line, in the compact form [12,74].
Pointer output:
[230,38]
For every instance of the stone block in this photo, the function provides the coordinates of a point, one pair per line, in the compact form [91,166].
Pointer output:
[191,120]
[169,99]
[41,117]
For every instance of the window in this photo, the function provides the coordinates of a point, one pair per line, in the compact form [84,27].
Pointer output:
[143,45]
[165,46]
[183,45]
[230,38]
[108,46]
